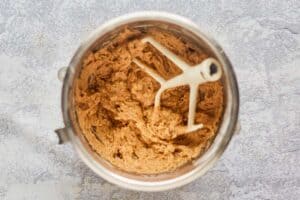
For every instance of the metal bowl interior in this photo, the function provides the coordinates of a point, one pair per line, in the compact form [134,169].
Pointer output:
[186,173]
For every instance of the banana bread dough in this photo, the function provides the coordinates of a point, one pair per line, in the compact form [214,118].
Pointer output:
[114,101]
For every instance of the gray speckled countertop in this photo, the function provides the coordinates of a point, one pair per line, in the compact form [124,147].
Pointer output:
[262,39]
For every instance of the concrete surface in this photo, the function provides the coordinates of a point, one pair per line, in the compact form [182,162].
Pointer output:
[262,39]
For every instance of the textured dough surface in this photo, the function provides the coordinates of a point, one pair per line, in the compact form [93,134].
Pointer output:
[114,101]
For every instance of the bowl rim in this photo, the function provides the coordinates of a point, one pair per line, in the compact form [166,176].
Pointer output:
[207,159]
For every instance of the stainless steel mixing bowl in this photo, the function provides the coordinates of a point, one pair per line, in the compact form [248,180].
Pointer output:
[164,181]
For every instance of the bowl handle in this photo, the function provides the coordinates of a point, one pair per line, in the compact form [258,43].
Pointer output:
[62,73]
[62,132]
[62,135]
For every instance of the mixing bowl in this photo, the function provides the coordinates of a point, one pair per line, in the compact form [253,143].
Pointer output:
[185,174]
